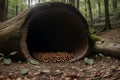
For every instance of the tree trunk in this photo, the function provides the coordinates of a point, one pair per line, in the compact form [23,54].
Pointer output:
[3,10]
[39,1]
[29,3]
[90,13]
[17,7]
[107,18]
[99,8]
[85,8]
[114,5]
[78,4]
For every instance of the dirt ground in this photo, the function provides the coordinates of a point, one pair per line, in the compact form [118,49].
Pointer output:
[104,67]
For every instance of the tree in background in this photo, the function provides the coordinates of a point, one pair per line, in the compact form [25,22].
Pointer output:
[114,3]
[99,8]
[85,8]
[107,18]
[16,7]
[39,1]
[78,4]
[90,13]
[3,11]
[29,3]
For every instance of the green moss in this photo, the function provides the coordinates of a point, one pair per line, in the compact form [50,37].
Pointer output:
[93,36]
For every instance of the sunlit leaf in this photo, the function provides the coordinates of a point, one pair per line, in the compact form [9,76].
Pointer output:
[101,55]
[1,54]
[1,58]
[13,53]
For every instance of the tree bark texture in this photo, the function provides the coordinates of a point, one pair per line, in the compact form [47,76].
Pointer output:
[111,49]
[107,18]
[99,8]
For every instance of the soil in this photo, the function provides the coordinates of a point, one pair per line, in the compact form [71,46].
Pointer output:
[103,68]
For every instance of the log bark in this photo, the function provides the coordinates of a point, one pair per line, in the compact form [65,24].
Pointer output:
[10,35]
[110,49]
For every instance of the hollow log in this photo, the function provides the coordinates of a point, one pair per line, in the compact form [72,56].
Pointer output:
[47,27]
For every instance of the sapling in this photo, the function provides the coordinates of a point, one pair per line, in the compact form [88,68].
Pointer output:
[6,58]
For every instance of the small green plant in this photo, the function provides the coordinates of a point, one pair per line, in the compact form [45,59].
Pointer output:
[24,71]
[34,62]
[6,59]
[89,61]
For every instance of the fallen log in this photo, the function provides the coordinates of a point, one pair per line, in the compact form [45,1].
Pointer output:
[110,49]
[47,27]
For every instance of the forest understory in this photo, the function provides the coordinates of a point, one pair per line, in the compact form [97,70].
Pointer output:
[103,67]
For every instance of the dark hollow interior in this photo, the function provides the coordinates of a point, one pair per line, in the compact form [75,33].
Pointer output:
[55,30]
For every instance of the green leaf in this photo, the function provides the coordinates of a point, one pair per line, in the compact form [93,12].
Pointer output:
[101,55]
[7,61]
[1,54]
[13,53]
[1,58]
[89,61]
[35,62]
[24,71]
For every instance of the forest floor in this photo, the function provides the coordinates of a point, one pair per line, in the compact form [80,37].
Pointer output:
[104,67]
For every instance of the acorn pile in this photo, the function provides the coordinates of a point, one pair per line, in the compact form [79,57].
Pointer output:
[52,57]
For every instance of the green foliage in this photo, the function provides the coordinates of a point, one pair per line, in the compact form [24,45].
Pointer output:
[89,61]
[93,36]
[5,58]
[12,7]
[34,62]
[24,71]
[7,61]
[101,55]
[13,53]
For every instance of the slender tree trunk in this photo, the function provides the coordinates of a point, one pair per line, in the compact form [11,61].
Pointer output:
[99,8]
[90,13]
[28,3]
[107,18]
[85,8]
[114,5]
[17,7]
[78,4]
[2,10]
[39,1]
